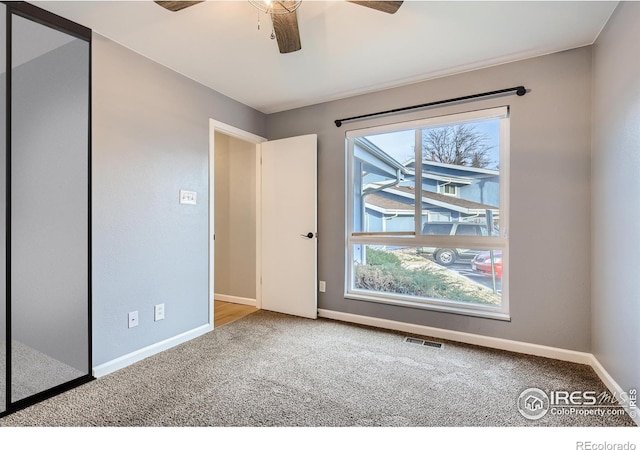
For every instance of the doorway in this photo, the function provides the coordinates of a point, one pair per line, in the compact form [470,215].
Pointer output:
[235,214]
[274,186]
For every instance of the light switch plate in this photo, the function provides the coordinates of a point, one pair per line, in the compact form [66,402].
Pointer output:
[188,197]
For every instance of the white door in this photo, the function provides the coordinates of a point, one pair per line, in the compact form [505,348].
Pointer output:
[288,241]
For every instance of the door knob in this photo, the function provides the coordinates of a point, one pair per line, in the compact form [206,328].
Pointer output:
[309,235]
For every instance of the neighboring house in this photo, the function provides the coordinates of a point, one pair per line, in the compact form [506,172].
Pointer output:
[450,193]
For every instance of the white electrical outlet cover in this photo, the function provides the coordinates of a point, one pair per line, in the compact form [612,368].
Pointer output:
[133,319]
[158,312]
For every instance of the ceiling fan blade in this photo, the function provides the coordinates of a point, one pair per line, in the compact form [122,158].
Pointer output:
[388,7]
[287,33]
[177,6]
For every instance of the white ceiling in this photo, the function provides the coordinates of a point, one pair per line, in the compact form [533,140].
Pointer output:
[347,49]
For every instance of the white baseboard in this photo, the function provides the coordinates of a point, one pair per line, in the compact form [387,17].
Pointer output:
[491,342]
[139,355]
[467,338]
[234,299]
[614,387]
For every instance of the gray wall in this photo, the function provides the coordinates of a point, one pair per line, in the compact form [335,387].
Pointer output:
[616,190]
[150,139]
[550,194]
[235,217]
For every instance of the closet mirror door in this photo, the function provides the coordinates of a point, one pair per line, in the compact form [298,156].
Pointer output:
[49,212]
[3,207]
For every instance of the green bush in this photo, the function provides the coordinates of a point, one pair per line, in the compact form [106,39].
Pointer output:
[384,273]
[382,258]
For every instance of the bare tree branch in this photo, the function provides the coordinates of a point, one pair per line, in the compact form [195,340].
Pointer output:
[461,145]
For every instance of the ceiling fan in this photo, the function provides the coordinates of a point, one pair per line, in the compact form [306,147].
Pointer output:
[284,17]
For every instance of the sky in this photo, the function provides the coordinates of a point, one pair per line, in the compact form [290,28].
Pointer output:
[400,144]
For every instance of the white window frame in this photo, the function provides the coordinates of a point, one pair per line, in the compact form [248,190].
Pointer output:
[414,239]
[442,188]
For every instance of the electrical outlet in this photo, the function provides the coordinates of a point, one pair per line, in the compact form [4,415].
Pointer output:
[158,312]
[322,286]
[133,319]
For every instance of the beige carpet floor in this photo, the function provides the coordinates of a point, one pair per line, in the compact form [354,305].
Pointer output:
[274,370]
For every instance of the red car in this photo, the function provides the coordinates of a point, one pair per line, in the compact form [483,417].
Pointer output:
[482,263]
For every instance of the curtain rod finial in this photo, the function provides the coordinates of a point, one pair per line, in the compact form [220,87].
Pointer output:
[338,123]
[521,91]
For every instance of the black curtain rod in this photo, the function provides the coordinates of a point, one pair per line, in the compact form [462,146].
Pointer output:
[519,90]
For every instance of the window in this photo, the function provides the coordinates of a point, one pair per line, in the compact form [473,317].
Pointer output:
[438,217]
[448,189]
[464,229]
[427,218]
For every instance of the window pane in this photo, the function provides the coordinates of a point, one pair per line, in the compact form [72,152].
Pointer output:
[383,196]
[437,228]
[473,229]
[461,176]
[406,271]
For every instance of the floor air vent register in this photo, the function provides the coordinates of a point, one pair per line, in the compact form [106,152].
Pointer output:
[412,340]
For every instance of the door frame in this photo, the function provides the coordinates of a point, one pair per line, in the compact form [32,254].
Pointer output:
[220,127]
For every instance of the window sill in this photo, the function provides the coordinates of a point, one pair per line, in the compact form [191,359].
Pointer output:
[439,307]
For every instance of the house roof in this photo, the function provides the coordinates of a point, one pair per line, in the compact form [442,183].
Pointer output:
[377,152]
[428,163]
[442,177]
[376,160]
[386,204]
